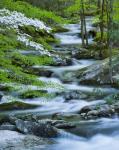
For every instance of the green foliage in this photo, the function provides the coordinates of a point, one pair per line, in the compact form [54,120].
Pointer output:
[13,63]
[31,11]
[27,61]
[8,39]
[39,36]
[98,37]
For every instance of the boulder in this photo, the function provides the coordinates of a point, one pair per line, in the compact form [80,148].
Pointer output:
[98,111]
[98,74]
[87,109]
[39,129]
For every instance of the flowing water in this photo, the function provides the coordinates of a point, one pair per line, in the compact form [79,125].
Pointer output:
[73,36]
[101,134]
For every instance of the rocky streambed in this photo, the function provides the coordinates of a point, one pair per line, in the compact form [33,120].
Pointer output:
[82,114]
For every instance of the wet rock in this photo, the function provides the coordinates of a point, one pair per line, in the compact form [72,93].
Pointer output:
[86,109]
[38,129]
[41,72]
[98,126]
[116,107]
[59,29]
[99,111]
[83,53]
[65,125]
[74,94]
[61,124]
[1,95]
[12,140]
[8,127]
[92,113]
[98,74]
[15,105]
[92,33]
[62,61]
[12,119]
[66,117]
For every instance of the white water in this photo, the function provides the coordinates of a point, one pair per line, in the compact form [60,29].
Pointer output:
[58,105]
[97,142]
[72,36]
[106,130]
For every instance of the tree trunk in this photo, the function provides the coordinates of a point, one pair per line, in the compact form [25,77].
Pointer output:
[82,30]
[110,43]
[83,26]
[84,20]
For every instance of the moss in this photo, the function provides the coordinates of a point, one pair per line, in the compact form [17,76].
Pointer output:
[8,40]
[14,66]
[31,30]
[59,29]
[34,94]
[28,61]
[40,36]
[15,105]
[6,88]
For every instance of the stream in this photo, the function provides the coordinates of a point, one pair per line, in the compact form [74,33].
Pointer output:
[90,135]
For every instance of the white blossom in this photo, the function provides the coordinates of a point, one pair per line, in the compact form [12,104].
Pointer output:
[14,19]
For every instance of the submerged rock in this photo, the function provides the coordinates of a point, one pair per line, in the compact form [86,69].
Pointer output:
[90,128]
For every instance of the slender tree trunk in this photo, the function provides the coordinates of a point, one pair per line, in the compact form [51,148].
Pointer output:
[102,5]
[84,22]
[110,43]
[82,30]
[102,16]
[84,34]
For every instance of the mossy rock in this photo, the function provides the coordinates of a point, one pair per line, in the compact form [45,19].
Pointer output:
[33,94]
[16,105]
[34,31]
[59,29]
[6,88]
